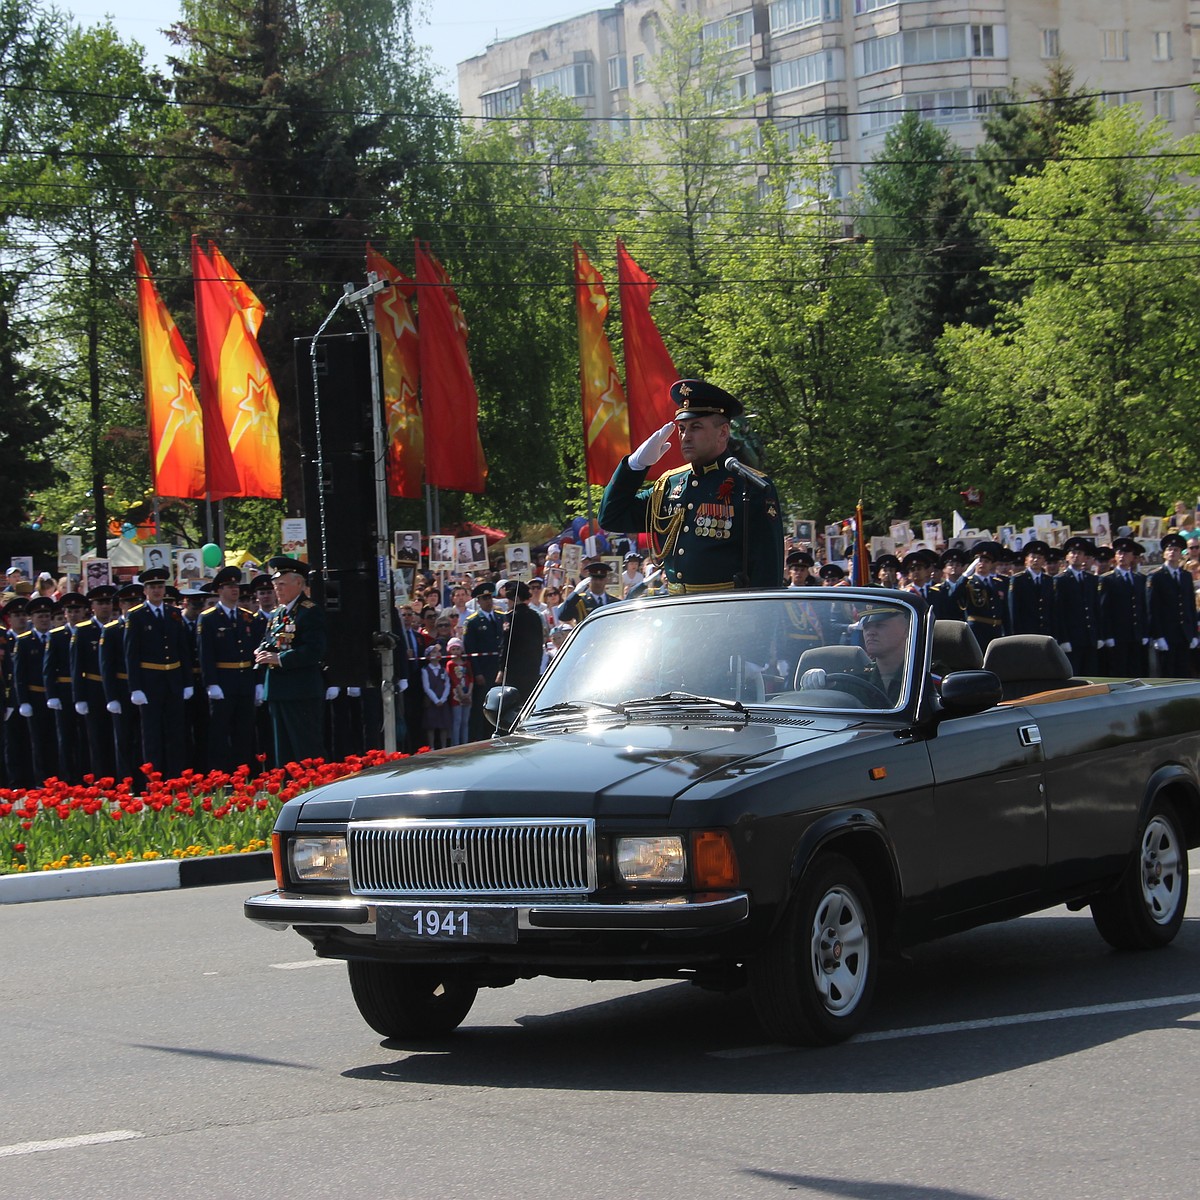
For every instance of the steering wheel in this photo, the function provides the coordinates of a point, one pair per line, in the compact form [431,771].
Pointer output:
[870,694]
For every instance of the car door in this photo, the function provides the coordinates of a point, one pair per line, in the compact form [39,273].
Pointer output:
[990,819]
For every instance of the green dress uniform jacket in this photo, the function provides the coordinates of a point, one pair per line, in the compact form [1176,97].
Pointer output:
[696,522]
[299,634]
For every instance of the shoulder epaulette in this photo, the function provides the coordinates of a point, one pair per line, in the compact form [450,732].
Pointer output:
[82,624]
[246,612]
[136,608]
[27,633]
[114,621]
[307,604]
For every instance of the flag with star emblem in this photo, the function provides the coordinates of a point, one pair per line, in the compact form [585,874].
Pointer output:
[649,371]
[605,413]
[399,352]
[454,456]
[173,414]
[234,378]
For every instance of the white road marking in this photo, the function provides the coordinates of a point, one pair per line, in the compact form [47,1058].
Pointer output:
[308,962]
[83,1139]
[1033,1018]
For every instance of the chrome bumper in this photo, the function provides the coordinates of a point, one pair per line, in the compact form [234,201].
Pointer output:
[278,910]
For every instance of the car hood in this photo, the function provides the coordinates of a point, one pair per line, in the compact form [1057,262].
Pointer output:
[632,769]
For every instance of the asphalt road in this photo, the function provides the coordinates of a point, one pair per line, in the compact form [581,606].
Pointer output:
[161,1046]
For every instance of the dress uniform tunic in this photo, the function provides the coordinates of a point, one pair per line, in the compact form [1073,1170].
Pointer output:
[227,641]
[483,638]
[295,690]
[68,729]
[29,689]
[158,661]
[1124,622]
[1077,619]
[1172,606]
[87,687]
[1031,603]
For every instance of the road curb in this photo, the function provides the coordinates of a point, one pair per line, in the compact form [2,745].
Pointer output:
[162,875]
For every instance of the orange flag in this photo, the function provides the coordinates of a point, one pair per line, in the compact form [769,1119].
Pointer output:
[234,376]
[172,411]
[398,347]
[450,404]
[649,371]
[605,413]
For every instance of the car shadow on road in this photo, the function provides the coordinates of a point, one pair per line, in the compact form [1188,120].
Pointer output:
[678,1039]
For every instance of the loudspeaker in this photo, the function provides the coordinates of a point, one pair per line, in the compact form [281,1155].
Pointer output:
[351,603]
[336,431]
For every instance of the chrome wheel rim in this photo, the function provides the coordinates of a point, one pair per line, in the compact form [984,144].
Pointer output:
[841,951]
[1162,866]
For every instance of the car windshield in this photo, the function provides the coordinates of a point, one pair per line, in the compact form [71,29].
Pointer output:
[808,648]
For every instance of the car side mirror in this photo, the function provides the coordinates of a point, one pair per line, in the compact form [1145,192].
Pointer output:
[501,706]
[967,692]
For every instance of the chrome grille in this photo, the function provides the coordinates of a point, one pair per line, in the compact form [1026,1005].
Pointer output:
[473,857]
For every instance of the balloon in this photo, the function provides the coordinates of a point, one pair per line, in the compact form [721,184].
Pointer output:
[210,554]
[128,531]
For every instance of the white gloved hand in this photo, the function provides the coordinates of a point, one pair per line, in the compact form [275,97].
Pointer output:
[8,712]
[26,710]
[1161,644]
[354,693]
[1193,643]
[1101,644]
[54,704]
[1111,643]
[81,707]
[214,692]
[188,692]
[1066,646]
[258,694]
[653,448]
[332,693]
[114,707]
[138,698]
[1145,641]
[402,685]
[812,679]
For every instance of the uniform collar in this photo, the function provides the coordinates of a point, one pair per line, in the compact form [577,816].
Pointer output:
[705,468]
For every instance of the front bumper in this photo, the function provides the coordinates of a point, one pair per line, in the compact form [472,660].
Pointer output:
[697,913]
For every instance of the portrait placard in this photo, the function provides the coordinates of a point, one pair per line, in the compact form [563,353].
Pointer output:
[96,573]
[517,563]
[406,545]
[70,549]
[441,552]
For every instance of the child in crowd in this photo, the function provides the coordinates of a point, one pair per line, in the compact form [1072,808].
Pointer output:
[436,685]
[461,684]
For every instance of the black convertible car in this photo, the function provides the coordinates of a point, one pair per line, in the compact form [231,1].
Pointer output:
[770,789]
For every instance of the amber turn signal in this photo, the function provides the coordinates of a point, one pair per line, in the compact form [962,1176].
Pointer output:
[277,859]
[714,864]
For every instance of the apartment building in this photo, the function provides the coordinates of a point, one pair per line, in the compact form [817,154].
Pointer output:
[846,70]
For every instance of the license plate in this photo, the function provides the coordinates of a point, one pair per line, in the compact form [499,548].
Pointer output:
[445,925]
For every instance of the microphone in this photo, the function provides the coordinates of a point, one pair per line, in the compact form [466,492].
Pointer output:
[732,464]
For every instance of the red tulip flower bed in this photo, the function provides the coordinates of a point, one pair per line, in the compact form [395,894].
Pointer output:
[100,821]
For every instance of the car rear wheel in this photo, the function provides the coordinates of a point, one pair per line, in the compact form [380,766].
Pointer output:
[409,1002]
[1145,910]
[813,983]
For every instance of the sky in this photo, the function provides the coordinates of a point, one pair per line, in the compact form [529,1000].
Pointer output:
[453,29]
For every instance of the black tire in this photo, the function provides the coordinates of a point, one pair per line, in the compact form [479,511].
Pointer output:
[813,982]
[409,1002]
[1145,910]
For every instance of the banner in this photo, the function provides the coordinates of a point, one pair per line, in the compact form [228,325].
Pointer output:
[173,415]
[605,413]
[649,371]
[400,358]
[454,456]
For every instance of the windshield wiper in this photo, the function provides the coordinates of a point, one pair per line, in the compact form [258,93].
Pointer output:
[687,699]
[578,706]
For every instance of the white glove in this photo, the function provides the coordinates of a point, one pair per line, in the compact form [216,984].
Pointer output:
[332,693]
[653,448]
[114,707]
[8,712]
[258,694]
[1193,643]
[1161,644]
[26,710]
[1145,641]
[402,685]
[1066,646]
[188,692]
[354,693]
[1101,644]
[1111,643]
[214,692]
[81,707]
[54,704]
[139,698]
[812,679]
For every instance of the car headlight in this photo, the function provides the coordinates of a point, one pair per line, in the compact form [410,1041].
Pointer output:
[651,859]
[321,858]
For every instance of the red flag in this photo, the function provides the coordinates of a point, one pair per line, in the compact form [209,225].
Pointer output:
[449,402]
[649,371]
[398,350]
[213,311]
[172,411]
[605,413]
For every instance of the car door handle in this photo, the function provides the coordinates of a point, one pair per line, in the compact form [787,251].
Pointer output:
[1030,735]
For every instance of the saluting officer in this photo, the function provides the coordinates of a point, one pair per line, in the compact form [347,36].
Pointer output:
[30,688]
[1171,598]
[158,661]
[228,636]
[983,597]
[1031,593]
[591,594]
[70,732]
[711,527]
[87,682]
[1124,616]
[1076,608]
[482,638]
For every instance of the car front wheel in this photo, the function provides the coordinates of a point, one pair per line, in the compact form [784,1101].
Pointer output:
[813,982]
[409,1002]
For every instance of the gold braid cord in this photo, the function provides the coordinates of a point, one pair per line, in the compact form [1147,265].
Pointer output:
[663,531]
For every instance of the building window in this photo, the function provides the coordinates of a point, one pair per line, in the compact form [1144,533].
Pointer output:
[1162,45]
[866,6]
[1164,105]
[948,107]
[1115,47]
[618,76]
[639,68]
[878,116]
[795,73]
[786,15]
[935,43]
[574,81]
[733,32]
[1049,43]
[502,102]
[824,127]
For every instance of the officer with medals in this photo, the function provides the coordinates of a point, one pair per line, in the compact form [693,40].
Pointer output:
[56,668]
[227,636]
[293,653]
[711,527]
[87,682]
[158,661]
[982,596]
[483,637]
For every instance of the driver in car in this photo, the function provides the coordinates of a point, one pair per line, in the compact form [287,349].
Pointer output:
[885,638]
